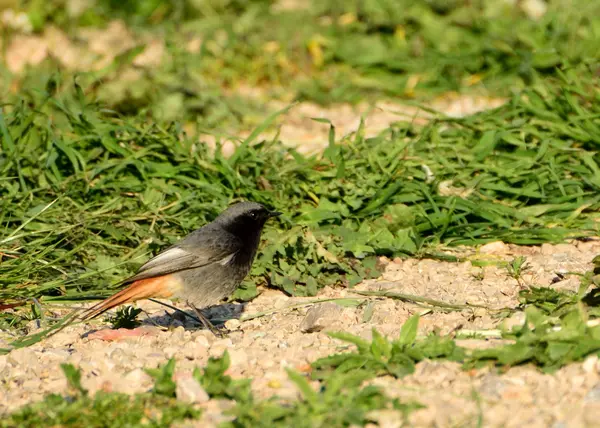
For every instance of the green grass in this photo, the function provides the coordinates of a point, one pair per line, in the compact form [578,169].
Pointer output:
[340,402]
[330,51]
[158,407]
[559,328]
[88,192]
[87,196]
[543,341]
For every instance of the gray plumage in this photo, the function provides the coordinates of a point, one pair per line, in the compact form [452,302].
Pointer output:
[203,268]
[212,261]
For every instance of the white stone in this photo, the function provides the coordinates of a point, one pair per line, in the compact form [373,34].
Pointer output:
[496,247]
[535,9]
[138,377]
[170,351]
[232,324]
[190,391]
[590,364]
[238,357]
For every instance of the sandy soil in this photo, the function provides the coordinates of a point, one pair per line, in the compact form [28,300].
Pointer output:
[293,336]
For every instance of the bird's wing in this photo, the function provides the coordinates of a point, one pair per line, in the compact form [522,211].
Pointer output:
[197,250]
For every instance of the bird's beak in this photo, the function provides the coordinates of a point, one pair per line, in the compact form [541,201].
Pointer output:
[274,214]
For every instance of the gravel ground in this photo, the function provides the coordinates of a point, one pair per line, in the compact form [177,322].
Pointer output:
[263,347]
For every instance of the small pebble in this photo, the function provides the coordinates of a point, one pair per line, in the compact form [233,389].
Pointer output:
[496,247]
[238,357]
[232,324]
[138,377]
[190,391]
[274,383]
[590,364]
[170,351]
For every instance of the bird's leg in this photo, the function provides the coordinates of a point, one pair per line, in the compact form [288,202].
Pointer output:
[206,322]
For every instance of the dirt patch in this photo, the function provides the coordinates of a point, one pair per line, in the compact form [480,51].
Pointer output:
[294,335]
[298,128]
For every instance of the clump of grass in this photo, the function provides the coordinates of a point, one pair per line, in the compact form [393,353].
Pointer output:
[549,300]
[126,317]
[545,342]
[382,357]
[88,197]
[328,51]
[104,409]
[548,343]
[516,267]
[220,385]
[341,401]
[560,328]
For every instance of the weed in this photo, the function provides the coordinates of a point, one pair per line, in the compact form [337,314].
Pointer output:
[126,317]
[547,342]
[104,409]
[516,267]
[396,358]
[107,193]
[341,401]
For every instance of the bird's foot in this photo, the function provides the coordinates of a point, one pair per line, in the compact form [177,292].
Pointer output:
[220,333]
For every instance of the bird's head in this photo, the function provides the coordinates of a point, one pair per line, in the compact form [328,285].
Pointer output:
[245,218]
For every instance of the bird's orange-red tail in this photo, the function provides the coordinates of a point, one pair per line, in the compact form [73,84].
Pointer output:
[159,287]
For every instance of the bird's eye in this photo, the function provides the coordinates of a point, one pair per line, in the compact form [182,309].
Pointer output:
[253,215]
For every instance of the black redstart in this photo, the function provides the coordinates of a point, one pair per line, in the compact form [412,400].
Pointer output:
[203,268]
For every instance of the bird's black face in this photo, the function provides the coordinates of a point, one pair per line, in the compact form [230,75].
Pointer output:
[259,216]
[246,218]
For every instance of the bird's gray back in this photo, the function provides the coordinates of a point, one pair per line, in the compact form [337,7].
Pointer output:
[208,285]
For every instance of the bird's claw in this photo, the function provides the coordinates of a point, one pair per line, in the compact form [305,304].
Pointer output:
[220,333]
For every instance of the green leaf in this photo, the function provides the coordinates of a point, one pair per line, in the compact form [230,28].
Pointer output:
[380,347]
[307,392]
[126,317]
[73,376]
[361,344]
[163,379]
[408,332]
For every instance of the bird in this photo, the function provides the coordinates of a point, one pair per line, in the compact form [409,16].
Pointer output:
[202,269]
